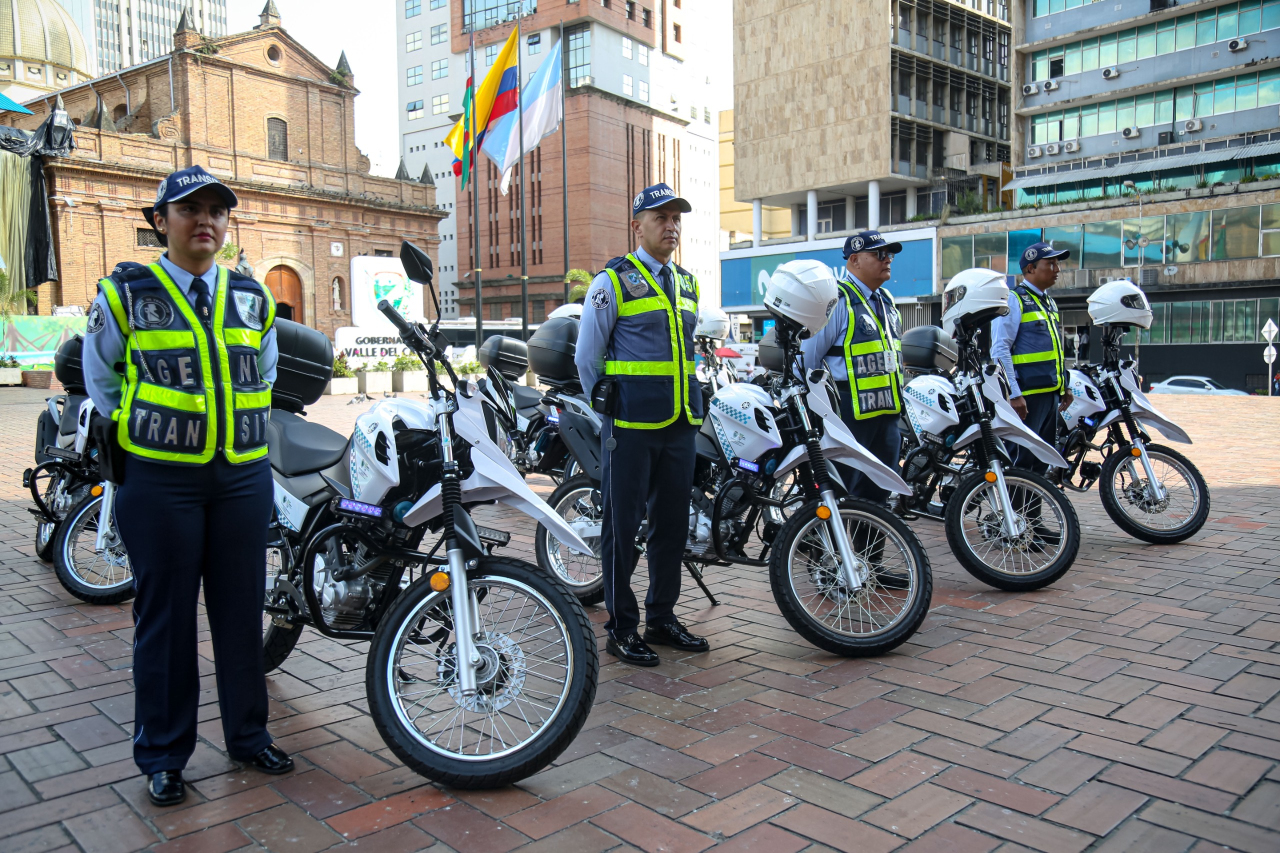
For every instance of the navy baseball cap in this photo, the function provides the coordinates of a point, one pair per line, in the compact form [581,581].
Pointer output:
[657,195]
[868,241]
[182,184]
[1040,251]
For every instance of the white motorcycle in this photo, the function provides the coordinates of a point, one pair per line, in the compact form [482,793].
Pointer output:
[1151,491]
[847,575]
[1008,527]
[481,669]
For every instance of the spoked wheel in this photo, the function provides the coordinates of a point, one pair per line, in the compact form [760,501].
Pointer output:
[537,679]
[1039,548]
[98,577]
[894,581]
[54,490]
[579,503]
[1127,497]
[279,635]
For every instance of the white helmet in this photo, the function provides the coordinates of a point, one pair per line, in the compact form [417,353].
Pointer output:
[712,323]
[803,292]
[571,309]
[1121,302]
[972,298]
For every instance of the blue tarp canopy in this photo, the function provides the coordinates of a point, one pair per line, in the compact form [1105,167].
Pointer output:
[10,105]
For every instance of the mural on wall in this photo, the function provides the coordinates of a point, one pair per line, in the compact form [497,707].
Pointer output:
[33,340]
[375,279]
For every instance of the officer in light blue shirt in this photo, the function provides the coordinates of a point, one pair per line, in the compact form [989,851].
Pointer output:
[635,347]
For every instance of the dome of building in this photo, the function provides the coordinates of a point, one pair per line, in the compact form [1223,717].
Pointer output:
[41,32]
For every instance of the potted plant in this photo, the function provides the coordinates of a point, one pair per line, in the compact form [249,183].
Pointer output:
[344,380]
[408,374]
[374,378]
[468,370]
[10,371]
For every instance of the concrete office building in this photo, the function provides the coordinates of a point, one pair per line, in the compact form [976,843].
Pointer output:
[121,33]
[638,111]
[853,125]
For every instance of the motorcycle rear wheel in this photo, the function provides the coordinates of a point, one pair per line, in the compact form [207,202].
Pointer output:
[1035,558]
[583,575]
[278,637]
[814,599]
[91,576]
[536,689]
[1128,508]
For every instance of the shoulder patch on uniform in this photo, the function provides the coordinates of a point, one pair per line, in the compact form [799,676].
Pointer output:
[97,318]
[599,298]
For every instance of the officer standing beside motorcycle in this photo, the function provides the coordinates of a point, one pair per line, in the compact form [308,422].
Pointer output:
[635,357]
[860,347]
[182,354]
[1027,342]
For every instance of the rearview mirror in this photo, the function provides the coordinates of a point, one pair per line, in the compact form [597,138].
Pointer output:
[417,264]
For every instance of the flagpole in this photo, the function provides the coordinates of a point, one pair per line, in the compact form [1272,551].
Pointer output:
[564,158]
[524,205]
[475,193]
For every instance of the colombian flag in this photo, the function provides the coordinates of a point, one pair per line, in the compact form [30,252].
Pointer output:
[498,95]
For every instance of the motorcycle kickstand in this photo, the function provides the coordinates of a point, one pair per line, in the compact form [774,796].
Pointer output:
[696,574]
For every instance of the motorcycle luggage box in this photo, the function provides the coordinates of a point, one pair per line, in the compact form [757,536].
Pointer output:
[551,351]
[305,367]
[928,348]
[68,367]
[509,356]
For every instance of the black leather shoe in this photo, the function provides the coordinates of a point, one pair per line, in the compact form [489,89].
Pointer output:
[675,635]
[166,788]
[272,760]
[894,580]
[631,649]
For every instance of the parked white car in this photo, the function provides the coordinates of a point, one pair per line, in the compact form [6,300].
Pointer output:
[1193,385]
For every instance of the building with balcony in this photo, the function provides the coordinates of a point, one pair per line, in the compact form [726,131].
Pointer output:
[639,111]
[851,129]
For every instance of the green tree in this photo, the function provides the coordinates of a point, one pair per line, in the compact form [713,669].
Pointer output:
[581,280]
[13,300]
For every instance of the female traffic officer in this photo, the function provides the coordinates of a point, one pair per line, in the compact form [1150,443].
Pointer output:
[182,355]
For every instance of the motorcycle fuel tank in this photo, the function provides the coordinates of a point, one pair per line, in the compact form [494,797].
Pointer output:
[744,423]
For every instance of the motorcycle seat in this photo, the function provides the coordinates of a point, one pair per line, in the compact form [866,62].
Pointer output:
[296,446]
[70,414]
[526,397]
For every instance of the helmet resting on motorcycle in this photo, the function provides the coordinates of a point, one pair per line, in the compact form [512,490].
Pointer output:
[972,298]
[803,292]
[1120,303]
[712,323]
[572,310]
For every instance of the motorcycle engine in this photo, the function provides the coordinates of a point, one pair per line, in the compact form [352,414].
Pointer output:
[343,602]
[700,542]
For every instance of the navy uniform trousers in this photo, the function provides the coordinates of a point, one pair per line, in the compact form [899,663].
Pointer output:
[882,437]
[1042,419]
[183,524]
[648,471]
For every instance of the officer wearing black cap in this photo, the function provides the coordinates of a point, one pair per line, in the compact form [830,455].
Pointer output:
[1028,343]
[181,355]
[635,357]
[860,346]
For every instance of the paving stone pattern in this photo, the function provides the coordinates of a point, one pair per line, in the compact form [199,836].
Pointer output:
[1131,707]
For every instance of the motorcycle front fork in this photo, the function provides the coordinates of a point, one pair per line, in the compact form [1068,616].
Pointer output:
[1012,524]
[466,622]
[853,572]
[1155,489]
[106,516]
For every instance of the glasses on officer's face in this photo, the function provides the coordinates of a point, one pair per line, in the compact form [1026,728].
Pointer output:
[882,255]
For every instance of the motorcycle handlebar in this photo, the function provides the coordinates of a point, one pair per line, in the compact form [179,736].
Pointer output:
[391,314]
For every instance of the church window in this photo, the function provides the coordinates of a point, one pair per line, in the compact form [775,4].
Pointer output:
[277,139]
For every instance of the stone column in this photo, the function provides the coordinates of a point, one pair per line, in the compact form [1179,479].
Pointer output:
[911,202]
[757,221]
[850,213]
[811,202]
[795,220]
[873,205]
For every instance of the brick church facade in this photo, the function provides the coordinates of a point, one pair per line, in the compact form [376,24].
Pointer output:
[264,115]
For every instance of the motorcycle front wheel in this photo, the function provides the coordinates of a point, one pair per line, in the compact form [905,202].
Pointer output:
[575,500]
[1046,538]
[1179,516]
[814,597]
[93,576]
[537,679]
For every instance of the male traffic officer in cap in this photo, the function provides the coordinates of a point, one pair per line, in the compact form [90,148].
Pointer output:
[860,346]
[635,349]
[1028,343]
[181,355]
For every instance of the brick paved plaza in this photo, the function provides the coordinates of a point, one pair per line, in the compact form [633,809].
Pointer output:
[1132,707]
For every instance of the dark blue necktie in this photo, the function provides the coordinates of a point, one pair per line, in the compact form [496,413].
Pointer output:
[204,302]
[664,278]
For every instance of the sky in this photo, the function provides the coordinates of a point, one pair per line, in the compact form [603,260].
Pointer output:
[366,30]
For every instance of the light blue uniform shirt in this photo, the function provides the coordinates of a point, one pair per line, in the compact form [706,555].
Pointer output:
[814,349]
[599,314]
[105,348]
[1004,332]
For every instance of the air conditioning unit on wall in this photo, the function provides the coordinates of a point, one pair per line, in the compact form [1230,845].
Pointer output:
[1192,125]
[1030,89]
[1051,149]
[1071,147]
[1035,151]
[1051,85]
[1237,45]
[1130,133]
[1110,73]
